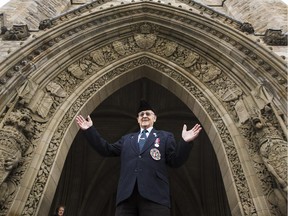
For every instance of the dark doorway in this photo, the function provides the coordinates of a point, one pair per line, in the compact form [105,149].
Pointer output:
[88,181]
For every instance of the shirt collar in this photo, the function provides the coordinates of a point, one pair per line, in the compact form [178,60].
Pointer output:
[148,129]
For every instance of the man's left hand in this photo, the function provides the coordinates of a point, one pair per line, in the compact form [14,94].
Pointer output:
[190,135]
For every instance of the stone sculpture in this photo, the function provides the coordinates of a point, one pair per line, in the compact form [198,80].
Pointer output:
[14,143]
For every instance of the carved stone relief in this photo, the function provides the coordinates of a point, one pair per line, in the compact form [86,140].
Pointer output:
[247,27]
[15,144]
[275,37]
[270,158]
[20,129]
[148,8]
[18,32]
[260,124]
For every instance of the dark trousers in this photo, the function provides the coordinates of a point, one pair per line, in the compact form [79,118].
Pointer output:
[139,206]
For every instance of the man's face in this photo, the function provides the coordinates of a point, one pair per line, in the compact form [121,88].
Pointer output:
[146,118]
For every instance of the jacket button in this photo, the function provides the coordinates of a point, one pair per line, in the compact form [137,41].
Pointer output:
[140,156]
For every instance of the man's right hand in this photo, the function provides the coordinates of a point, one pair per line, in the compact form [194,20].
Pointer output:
[83,123]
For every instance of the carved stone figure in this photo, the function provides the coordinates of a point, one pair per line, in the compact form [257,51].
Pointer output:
[211,73]
[191,59]
[261,97]
[170,48]
[247,27]
[76,71]
[4,29]
[14,142]
[145,41]
[18,32]
[274,37]
[56,89]
[207,72]
[119,47]
[47,23]
[273,150]
[165,48]
[276,198]
[38,101]
[259,100]
[98,57]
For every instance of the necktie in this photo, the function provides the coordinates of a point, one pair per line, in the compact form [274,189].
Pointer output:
[142,139]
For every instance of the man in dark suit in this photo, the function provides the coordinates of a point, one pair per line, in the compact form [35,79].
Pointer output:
[143,188]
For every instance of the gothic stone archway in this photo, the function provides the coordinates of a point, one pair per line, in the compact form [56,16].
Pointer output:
[225,78]
[88,182]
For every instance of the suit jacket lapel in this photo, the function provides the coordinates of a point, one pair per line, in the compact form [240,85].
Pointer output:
[134,143]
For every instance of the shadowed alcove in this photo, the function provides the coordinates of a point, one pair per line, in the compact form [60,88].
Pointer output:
[88,182]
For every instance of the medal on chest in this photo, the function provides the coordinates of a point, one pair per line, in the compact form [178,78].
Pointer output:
[155,154]
[157,142]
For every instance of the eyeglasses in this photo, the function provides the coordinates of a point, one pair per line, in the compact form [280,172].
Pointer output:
[147,113]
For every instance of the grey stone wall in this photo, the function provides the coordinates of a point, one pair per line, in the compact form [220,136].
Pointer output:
[262,14]
[32,12]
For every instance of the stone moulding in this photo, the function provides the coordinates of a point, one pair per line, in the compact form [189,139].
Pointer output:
[273,68]
[49,23]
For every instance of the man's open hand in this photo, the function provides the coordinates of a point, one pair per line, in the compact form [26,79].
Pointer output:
[190,135]
[83,123]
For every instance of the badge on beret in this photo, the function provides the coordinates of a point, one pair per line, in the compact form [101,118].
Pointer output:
[155,154]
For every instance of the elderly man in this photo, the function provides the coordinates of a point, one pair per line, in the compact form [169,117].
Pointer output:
[143,188]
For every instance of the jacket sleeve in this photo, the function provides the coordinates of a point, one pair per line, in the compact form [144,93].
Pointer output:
[177,154]
[101,145]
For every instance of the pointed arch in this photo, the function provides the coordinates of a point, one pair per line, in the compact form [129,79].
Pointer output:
[92,56]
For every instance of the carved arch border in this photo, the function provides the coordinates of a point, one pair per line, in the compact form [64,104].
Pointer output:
[184,87]
[223,34]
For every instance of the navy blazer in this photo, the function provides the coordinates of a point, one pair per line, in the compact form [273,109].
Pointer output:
[140,168]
